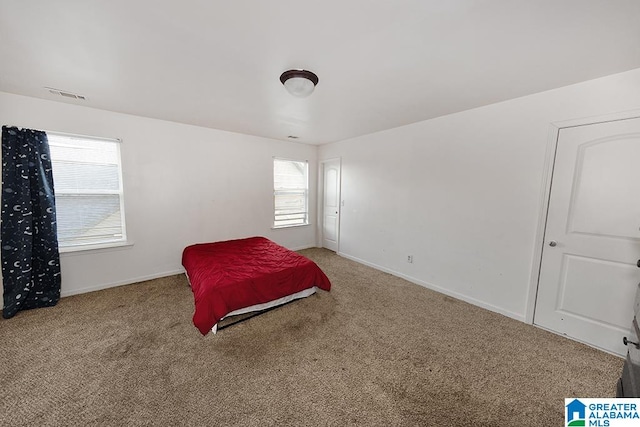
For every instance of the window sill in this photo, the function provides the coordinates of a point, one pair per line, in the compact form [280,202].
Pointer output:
[289,226]
[97,247]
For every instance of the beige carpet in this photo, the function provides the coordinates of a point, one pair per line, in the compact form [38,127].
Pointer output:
[375,351]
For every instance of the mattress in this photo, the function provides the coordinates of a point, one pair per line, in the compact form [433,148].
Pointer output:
[268,305]
[231,276]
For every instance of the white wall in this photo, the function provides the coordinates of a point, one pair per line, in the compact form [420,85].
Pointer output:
[463,193]
[183,184]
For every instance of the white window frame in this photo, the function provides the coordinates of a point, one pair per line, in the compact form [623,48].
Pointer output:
[277,192]
[122,241]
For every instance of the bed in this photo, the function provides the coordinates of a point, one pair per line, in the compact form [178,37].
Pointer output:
[245,275]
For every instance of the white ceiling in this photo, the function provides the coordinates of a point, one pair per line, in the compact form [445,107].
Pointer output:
[381,64]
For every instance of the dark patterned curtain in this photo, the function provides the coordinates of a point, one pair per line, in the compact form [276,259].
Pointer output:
[30,257]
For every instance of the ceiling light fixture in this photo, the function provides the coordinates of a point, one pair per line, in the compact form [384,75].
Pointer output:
[300,83]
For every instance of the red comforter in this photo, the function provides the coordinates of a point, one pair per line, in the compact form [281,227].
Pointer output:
[227,276]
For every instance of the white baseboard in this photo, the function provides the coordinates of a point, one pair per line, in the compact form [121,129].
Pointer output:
[439,289]
[67,293]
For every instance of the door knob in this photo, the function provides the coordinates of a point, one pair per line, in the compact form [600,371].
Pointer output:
[638,264]
[553,243]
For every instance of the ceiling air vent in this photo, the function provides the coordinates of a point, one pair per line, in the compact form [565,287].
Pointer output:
[65,93]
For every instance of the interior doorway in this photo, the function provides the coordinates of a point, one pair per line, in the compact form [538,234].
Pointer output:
[331,171]
[588,274]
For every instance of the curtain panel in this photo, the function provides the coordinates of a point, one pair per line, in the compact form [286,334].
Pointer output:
[29,252]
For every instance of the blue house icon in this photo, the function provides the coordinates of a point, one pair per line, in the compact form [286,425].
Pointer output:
[575,409]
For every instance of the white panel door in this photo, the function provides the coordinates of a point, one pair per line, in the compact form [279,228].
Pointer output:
[331,204]
[588,274]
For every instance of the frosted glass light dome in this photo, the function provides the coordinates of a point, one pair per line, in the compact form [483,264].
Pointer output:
[300,83]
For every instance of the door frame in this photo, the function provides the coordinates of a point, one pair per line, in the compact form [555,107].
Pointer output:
[547,178]
[320,229]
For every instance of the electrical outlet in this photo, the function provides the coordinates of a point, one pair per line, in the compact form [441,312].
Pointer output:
[410,259]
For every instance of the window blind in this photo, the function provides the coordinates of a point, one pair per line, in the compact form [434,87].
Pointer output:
[88,188]
[290,195]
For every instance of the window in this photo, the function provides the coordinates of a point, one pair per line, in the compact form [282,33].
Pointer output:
[87,179]
[290,193]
